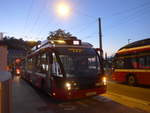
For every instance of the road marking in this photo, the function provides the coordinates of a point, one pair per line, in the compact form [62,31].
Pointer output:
[147,103]
[82,104]
[102,99]
[129,101]
[67,107]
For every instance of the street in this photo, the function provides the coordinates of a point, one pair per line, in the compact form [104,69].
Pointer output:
[134,97]
[27,99]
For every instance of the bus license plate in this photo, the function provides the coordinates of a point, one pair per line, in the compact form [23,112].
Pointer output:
[90,93]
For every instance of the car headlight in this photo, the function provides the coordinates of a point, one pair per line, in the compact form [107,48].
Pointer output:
[18,71]
[104,79]
[68,86]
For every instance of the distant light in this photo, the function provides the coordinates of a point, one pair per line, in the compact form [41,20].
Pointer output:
[63,9]
[18,60]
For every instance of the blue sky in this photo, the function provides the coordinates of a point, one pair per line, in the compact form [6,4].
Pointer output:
[121,20]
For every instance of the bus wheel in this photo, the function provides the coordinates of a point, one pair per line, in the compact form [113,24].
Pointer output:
[131,80]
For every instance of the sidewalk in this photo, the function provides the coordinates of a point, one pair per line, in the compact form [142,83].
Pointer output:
[26,99]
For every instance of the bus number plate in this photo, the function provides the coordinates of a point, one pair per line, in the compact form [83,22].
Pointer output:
[90,93]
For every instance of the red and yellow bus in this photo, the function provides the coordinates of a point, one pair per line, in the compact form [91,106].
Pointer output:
[132,63]
[66,69]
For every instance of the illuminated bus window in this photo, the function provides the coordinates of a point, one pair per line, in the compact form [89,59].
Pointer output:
[56,71]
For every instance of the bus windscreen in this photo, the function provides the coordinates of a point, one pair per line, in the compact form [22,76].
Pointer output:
[79,62]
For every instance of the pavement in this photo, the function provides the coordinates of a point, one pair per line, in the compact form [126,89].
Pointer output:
[25,100]
[131,96]
[28,99]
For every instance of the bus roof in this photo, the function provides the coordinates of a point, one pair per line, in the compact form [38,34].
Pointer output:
[139,43]
[59,43]
[135,46]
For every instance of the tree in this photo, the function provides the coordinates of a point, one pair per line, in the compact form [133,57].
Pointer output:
[60,34]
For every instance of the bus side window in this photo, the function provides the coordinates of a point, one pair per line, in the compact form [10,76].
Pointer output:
[134,63]
[42,63]
[56,71]
[148,62]
[119,63]
[141,62]
[30,63]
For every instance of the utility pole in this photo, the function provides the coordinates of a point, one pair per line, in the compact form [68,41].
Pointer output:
[100,34]
[100,37]
[100,44]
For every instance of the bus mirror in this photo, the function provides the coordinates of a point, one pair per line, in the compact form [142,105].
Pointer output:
[98,50]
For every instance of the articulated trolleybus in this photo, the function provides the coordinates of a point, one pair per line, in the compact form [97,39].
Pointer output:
[132,63]
[66,69]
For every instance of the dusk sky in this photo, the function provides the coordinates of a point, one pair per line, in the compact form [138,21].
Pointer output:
[121,20]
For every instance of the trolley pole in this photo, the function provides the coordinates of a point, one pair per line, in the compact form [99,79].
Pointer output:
[100,43]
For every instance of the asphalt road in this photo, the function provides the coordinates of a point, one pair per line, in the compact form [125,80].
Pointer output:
[27,99]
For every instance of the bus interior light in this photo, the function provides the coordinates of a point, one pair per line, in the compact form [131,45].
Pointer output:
[61,41]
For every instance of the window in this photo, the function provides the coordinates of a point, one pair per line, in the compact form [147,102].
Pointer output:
[119,63]
[134,63]
[79,62]
[147,62]
[56,71]
[42,63]
[141,62]
[128,63]
[30,64]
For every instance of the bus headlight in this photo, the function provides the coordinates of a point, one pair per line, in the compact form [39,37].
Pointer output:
[104,79]
[68,86]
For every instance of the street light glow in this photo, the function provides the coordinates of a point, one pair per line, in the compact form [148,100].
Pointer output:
[63,9]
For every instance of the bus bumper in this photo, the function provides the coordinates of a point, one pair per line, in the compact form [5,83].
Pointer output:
[77,94]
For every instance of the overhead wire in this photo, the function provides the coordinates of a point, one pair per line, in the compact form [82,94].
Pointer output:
[28,15]
[130,18]
[92,17]
[38,17]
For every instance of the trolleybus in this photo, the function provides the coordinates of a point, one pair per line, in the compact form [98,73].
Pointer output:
[66,69]
[132,63]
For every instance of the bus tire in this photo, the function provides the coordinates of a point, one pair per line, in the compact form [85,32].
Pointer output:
[131,80]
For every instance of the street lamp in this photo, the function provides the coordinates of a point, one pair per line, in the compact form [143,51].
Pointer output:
[63,9]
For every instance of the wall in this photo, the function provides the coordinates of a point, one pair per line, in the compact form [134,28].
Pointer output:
[3,57]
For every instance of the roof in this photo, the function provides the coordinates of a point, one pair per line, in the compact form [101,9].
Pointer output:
[139,43]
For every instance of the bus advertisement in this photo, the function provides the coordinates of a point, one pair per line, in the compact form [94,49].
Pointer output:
[132,63]
[66,69]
